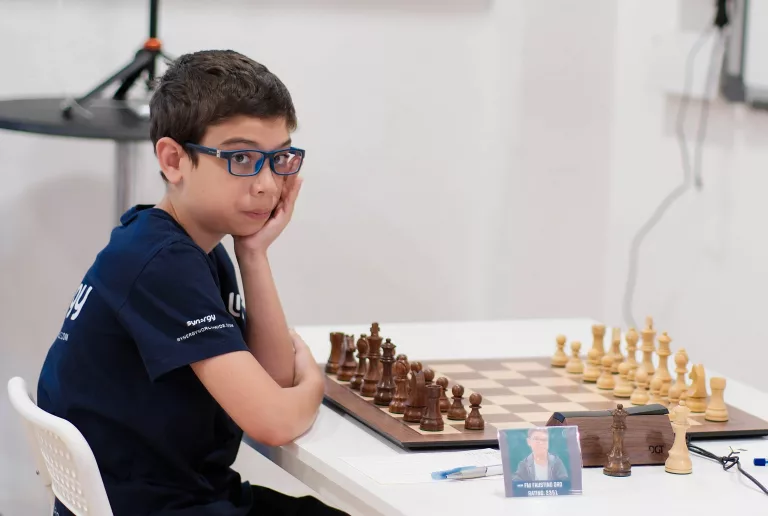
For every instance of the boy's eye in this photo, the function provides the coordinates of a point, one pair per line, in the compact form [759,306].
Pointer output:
[283,158]
[241,158]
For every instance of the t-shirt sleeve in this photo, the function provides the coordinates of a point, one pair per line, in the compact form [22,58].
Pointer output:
[175,314]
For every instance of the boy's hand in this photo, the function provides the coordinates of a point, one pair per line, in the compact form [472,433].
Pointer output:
[305,367]
[281,215]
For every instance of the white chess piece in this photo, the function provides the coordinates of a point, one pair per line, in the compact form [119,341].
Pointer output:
[679,459]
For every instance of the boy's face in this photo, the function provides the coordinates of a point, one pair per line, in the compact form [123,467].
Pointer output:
[226,204]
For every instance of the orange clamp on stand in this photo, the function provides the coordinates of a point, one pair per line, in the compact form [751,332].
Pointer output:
[143,63]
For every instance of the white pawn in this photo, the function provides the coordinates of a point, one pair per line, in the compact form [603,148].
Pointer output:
[640,394]
[592,373]
[656,385]
[680,385]
[559,359]
[575,365]
[623,388]
[606,380]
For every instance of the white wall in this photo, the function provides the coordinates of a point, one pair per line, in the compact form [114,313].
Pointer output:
[702,270]
[512,149]
[484,128]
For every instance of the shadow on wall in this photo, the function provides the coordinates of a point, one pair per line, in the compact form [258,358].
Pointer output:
[55,230]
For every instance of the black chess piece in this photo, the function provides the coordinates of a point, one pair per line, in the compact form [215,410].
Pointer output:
[397,405]
[362,365]
[457,412]
[617,463]
[417,398]
[386,386]
[474,420]
[432,420]
[445,403]
[348,365]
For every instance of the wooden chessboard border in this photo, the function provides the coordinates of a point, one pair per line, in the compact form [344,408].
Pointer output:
[339,396]
[397,431]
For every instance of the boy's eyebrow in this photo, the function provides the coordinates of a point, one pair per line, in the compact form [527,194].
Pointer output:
[252,144]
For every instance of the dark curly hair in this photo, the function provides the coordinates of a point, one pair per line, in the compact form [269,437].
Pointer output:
[207,87]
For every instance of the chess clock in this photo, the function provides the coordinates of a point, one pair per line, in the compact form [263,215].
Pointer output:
[647,440]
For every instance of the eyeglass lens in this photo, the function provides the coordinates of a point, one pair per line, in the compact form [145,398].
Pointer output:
[285,162]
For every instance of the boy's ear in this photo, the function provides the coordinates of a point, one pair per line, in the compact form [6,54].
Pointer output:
[170,156]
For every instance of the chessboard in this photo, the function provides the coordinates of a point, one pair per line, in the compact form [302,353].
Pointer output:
[464,403]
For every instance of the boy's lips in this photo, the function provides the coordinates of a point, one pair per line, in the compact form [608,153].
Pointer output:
[258,214]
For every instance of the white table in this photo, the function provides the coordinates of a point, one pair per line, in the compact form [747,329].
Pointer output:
[315,459]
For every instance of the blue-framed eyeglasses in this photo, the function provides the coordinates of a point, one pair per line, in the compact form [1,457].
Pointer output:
[248,162]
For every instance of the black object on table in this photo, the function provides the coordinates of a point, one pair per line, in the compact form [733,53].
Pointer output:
[107,119]
[94,117]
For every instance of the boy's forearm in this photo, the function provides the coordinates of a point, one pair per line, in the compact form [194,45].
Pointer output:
[267,330]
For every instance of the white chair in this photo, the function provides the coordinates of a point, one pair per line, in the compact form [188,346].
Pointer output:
[65,461]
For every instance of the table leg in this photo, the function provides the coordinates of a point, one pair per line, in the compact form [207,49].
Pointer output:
[125,167]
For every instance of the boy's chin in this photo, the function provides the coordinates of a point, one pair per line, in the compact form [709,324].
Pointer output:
[246,230]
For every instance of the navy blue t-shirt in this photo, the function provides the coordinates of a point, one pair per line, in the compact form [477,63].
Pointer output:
[152,303]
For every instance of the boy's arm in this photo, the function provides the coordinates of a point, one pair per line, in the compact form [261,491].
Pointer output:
[269,414]
[267,330]
[267,333]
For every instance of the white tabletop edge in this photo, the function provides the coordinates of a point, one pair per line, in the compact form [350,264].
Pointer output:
[333,432]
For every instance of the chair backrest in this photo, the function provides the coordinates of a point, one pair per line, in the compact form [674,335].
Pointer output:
[65,460]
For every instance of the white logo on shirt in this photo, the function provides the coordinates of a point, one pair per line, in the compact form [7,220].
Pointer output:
[81,296]
[236,304]
[207,318]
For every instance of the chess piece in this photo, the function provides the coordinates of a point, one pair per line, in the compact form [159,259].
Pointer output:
[386,386]
[348,365]
[681,361]
[374,341]
[415,368]
[445,403]
[640,394]
[457,412]
[559,359]
[397,405]
[606,381]
[337,348]
[717,410]
[618,358]
[362,364]
[656,398]
[417,397]
[432,420]
[575,365]
[374,373]
[592,372]
[474,420]
[618,463]
[648,335]
[598,336]
[679,459]
[697,394]
[429,376]
[623,388]
[404,358]
[662,371]
[631,339]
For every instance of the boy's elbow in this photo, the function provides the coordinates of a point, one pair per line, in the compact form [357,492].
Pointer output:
[275,439]
[280,431]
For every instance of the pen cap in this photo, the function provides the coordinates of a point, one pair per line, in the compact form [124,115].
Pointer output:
[759,462]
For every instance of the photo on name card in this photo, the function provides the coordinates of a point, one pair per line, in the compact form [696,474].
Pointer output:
[541,461]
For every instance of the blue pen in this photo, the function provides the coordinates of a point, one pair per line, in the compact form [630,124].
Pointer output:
[467,472]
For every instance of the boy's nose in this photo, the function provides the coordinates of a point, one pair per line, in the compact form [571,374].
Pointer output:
[264,182]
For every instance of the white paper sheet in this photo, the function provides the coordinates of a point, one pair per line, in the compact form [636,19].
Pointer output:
[417,468]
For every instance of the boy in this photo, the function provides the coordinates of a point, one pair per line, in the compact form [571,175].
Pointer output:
[158,363]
